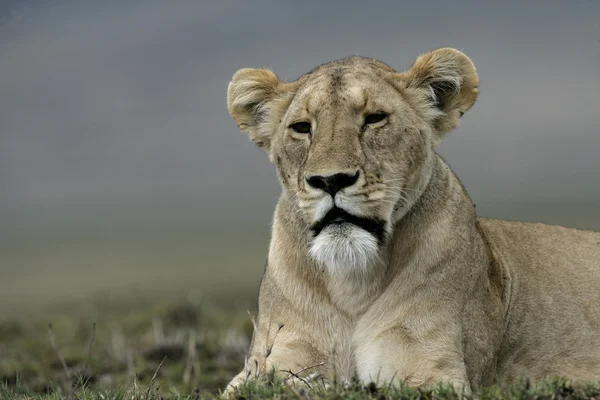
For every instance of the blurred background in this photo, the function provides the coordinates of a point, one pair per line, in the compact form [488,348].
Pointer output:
[123,177]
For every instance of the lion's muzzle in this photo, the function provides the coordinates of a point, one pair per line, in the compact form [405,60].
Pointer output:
[336,215]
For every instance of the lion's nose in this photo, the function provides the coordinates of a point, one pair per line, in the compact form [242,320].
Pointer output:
[332,183]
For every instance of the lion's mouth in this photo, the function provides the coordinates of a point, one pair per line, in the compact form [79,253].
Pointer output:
[336,215]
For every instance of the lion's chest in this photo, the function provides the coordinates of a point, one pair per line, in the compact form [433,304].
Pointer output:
[353,295]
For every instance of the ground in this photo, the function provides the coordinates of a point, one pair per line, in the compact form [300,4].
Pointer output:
[202,346]
[122,300]
[181,349]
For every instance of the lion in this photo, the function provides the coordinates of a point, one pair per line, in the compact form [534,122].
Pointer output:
[378,266]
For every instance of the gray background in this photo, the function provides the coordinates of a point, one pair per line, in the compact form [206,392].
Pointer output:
[121,171]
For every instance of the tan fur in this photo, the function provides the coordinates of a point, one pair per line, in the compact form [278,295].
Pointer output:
[449,297]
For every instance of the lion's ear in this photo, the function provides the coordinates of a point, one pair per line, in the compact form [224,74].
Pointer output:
[448,79]
[248,98]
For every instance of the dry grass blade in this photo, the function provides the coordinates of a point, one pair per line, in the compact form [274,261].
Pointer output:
[89,353]
[130,362]
[192,363]
[136,387]
[305,369]
[267,348]
[154,377]
[60,357]
[62,361]
[270,346]
[391,382]
[247,372]
[295,375]
[253,320]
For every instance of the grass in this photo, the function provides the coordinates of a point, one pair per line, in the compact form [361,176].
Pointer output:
[204,343]
[200,346]
[178,350]
[271,388]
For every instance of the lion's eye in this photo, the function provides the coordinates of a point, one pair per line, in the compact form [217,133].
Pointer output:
[301,127]
[374,118]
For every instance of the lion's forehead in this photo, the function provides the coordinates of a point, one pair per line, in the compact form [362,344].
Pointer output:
[350,89]
[353,62]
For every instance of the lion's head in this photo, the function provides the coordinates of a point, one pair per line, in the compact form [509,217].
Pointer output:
[353,142]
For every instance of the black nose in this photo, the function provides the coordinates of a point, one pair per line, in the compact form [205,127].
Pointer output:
[332,183]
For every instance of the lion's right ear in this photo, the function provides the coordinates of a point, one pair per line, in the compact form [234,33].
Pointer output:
[447,80]
[249,100]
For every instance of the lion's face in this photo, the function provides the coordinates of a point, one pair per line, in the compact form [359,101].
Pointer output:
[348,150]
[353,142]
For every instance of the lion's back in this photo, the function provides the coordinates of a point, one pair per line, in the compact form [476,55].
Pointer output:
[556,245]
[554,313]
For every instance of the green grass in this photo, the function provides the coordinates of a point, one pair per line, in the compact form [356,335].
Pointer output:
[178,350]
[202,346]
[271,388]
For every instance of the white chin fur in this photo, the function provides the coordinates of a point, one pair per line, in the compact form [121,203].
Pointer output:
[344,248]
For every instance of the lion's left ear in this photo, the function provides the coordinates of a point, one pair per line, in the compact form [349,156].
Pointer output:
[447,81]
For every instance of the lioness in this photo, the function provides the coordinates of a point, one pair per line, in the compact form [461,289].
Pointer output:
[378,265]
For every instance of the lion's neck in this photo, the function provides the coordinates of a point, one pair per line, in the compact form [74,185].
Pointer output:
[417,189]
[443,212]
[417,242]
